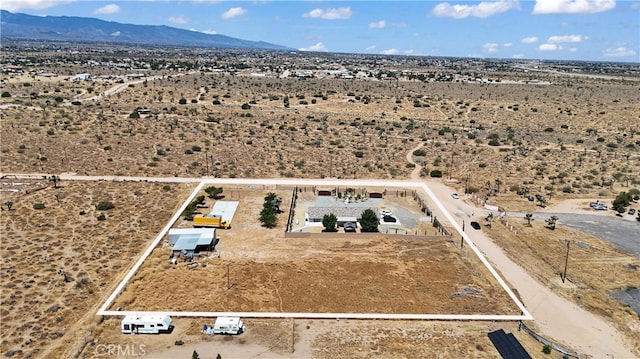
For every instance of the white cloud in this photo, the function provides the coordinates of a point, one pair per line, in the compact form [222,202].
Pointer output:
[107,9]
[490,47]
[370,48]
[389,52]
[517,56]
[566,38]
[549,47]
[529,40]
[17,5]
[209,32]
[378,24]
[409,52]
[619,52]
[572,6]
[483,9]
[319,47]
[178,20]
[572,49]
[341,13]
[233,12]
[507,44]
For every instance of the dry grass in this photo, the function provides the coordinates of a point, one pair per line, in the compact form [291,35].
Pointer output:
[595,269]
[42,314]
[362,275]
[563,140]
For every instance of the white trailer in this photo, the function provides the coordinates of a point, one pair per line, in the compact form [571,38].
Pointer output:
[228,325]
[145,324]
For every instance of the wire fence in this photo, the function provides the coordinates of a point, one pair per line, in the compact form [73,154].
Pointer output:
[567,353]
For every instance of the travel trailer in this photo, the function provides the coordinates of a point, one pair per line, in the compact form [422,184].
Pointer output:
[145,324]
[228,325]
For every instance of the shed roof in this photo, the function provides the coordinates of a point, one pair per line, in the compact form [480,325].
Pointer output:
[190,243]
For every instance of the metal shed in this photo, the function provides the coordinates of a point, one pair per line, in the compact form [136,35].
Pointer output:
[176,233]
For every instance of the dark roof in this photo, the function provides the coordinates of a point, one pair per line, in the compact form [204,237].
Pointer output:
[507,345]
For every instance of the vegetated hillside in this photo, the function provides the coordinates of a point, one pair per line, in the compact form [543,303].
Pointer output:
[82,29]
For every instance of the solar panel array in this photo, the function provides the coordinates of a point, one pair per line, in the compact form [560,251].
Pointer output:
[507,345]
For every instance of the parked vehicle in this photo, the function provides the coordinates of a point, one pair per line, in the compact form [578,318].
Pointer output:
[145,324]
[228,325]
[632,211]
[475,225]
[210,220]
[389,219]
[455,196]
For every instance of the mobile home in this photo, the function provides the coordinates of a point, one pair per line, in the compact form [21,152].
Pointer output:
[145,324]
[228,325]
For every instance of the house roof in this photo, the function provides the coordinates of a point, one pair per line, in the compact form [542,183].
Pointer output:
[190,242]
[339,211]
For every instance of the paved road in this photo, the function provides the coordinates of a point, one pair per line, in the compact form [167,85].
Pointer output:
[623,234]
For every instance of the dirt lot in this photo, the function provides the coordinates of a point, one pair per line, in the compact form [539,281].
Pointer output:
[42,315]
[269,273]
[305,338]
[595,268]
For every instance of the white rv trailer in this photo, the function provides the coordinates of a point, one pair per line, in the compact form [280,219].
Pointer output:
[145,324]
[228,325]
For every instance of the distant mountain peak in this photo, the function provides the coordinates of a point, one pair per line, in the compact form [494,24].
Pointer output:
[84,29]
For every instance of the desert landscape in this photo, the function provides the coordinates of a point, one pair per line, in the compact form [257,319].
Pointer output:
[495,132]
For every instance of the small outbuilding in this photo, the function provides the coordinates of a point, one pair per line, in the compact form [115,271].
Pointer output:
[188,241]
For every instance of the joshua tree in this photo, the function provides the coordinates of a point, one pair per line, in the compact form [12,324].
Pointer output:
[489,219]
[55,179]
[529,218]
[9,204]
[551,222]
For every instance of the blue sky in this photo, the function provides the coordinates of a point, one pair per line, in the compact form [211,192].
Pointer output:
[592,30]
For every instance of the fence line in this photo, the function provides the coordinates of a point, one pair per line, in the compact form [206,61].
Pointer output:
[545,341]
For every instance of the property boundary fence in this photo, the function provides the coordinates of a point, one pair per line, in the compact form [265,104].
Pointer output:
[545,341]
[294,197]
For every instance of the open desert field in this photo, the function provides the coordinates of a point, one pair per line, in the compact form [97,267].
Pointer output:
[549,133]
[59,263]
[344,274]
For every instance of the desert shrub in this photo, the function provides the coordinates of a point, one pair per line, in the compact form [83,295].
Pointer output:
[104,206]
[102,217]
[494,142]
[358,154]
[195,148]
[166,188]
[182,101]
[6,94]
[546,349]
[436,174]
[188,151]
[420,152]
[246,106]
[38,205]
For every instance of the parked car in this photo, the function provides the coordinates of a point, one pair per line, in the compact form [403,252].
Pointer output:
[632,211]
[455,196]
[385,212]
[389,219]
[530,198]
[475,225]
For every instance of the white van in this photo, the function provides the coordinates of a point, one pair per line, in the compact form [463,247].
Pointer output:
[228,325]
[145,324]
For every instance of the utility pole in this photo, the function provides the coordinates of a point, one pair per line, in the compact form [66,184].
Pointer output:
[566,261]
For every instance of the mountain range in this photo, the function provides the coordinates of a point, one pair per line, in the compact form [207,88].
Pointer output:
[82,29]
